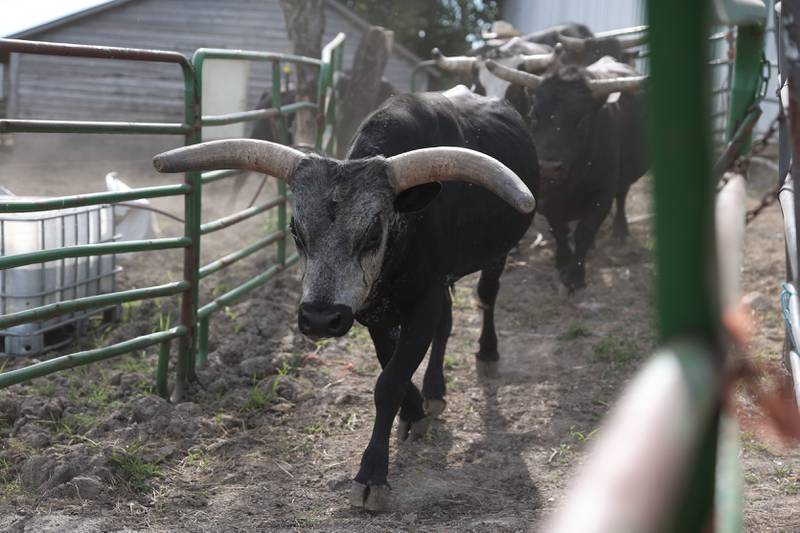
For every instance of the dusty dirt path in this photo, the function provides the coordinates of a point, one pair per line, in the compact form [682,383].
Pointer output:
[256,452]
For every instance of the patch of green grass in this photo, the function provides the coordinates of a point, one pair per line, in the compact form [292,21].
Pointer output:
[575,330]
[11,488]
[129,310]
[258,398]
[219,289]
[788,481]
[750,478]
[44,387]
[135,362]
[614,349]
[452,361]
[352,421]
[751,443]
[132,469]
[74,424]
[358,333]
[581,436]
[462,297]
[314,429]
[233,316]
[196,457]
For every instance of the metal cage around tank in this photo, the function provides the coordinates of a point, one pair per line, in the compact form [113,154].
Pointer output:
[192,330]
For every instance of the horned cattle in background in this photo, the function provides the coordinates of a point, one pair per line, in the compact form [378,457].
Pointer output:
[384,233]
[588,127]
[535,53]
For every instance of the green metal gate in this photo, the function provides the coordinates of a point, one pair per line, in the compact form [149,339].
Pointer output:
[192,330]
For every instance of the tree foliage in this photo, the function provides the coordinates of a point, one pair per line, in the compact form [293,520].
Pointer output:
[450,25]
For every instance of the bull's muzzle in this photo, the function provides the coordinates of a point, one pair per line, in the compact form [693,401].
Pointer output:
[320,320]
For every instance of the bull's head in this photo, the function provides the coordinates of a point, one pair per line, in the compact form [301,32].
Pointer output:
[343,210]
[565,104]
[585,51]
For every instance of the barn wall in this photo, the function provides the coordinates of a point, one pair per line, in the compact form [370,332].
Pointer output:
[75,88]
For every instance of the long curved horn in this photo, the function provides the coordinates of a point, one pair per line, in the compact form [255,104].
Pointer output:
[572,44]
[633,41]
[539,62]
[612,85]
[246,154]
[513,75]
[446,163]
[453,64]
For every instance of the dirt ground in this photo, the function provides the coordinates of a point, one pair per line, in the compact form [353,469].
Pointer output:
[274,431]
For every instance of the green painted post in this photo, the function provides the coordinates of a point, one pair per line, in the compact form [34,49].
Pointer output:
[187,346]
[202,350]
[678,103]
[679,121]
[746,76]
[162,368]
[276,102]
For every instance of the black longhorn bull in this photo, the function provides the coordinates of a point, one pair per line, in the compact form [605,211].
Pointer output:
[588,127]
[385,232]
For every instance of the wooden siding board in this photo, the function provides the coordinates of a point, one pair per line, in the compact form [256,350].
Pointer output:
[74,88]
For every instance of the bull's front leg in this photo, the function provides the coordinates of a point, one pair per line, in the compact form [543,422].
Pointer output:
[575,276]
[370,487]
[560,231]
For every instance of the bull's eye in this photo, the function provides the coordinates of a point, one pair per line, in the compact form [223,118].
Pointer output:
[298,240]
[373,237]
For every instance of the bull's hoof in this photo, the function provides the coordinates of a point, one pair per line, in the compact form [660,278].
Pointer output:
[373,498]
[434,406]
[486,369]
[412,430]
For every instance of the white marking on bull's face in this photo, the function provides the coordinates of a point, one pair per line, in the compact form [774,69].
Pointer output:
[342,214]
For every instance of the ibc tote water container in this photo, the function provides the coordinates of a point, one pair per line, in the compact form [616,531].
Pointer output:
[40,284]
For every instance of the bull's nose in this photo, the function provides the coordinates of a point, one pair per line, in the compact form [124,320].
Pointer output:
[324,320]
[550,169]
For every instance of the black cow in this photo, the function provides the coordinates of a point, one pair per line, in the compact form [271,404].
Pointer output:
[588,127]
[382,239]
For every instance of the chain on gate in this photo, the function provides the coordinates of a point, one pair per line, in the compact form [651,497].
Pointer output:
[758,146]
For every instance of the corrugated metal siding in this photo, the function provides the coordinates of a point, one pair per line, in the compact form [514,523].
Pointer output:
[74,88]
[532,15]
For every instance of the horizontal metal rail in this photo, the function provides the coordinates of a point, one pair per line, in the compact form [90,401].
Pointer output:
[54,254]
[81,200]
[234,294]
[87,126]
[204,54]
[238,255]
[623,31]
[100,52]
[64,362]
[80,304]
[216,175]
[256,114]
[230,220]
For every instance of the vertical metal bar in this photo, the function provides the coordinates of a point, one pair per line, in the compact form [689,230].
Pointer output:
[43,270]
[161,369]
[281,121]
[191,229]
[202,350]
[3,271]
[63,268]
[746,75]
[678,100]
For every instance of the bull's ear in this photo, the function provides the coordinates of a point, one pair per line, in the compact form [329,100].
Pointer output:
[416,198]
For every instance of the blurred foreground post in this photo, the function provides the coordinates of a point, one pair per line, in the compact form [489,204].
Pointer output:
[364,91]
